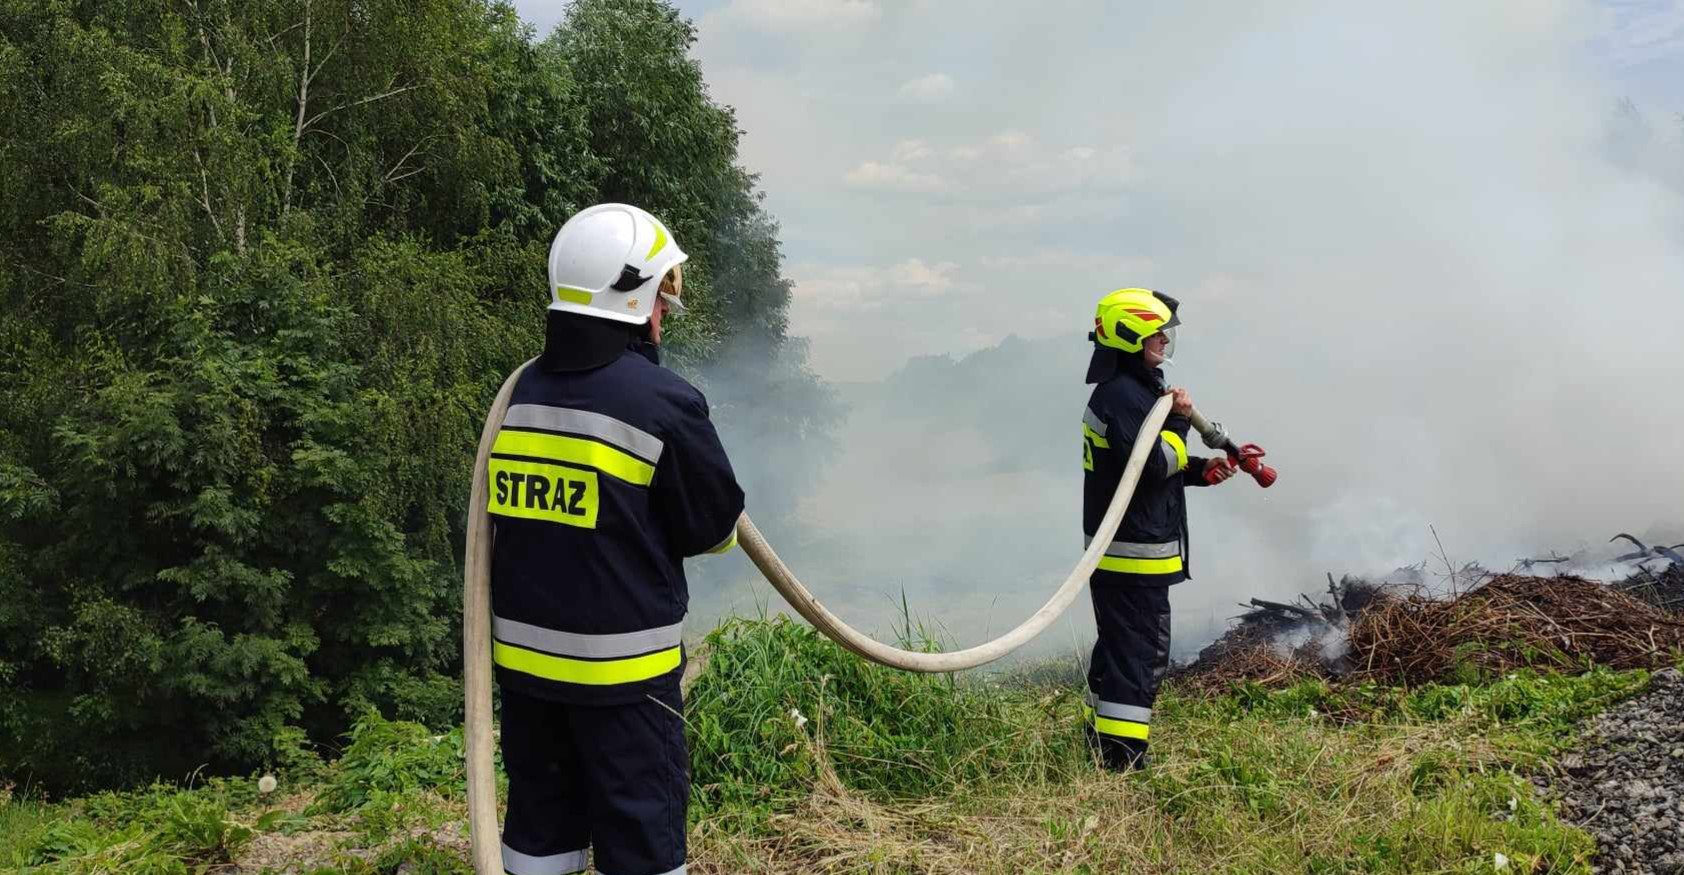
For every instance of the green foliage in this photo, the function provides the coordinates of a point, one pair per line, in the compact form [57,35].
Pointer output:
[262,267]
[1547,706]
[884,731]
[22,823]
[420,857]
[195,827]
[160,829]
[391,757]
[1467,823]
[294,759]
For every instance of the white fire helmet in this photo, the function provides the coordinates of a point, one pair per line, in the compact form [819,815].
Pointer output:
[608,261]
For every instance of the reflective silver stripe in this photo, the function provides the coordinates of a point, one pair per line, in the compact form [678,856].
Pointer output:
[567,863]
[1093,422]
[588,646]
[1172,462]
[678,871]
[1127,550]
[603,428]
[1131,713]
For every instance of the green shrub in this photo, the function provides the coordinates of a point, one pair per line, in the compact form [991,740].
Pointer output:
[393,757]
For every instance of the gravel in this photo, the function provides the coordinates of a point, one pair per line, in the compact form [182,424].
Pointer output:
[1626,784]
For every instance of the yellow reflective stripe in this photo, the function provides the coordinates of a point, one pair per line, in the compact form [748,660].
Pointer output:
[660,241]
[1118,728]
[1174,440]
[572,295]
[578,451]
[726,545]
[586,671]
[1094,436]
[1140,566]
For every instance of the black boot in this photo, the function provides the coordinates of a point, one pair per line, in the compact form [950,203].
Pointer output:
[1124,754]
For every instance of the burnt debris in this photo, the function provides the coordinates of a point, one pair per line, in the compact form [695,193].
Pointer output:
[1397,631]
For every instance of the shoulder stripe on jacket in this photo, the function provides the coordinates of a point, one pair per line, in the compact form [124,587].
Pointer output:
[584,422]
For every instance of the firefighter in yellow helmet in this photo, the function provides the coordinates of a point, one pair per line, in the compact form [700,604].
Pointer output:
[1134,337]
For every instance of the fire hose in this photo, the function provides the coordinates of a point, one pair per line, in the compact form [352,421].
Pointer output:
[476,603]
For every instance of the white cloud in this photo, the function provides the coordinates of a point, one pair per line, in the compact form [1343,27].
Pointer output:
[915,274]
[1064,261]
[870,287]
[1009,167]
[1010,139]
[910,150]
[928,88]
[889,176]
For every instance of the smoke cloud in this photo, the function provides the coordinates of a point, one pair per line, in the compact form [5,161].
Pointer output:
[1426,258]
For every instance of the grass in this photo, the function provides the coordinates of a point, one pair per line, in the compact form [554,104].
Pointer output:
[807,760]
[906,773]
[20,820]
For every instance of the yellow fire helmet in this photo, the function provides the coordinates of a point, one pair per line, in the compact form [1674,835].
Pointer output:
[1126,317]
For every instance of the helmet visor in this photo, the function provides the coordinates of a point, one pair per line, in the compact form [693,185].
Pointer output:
[672,287]
[1169,344]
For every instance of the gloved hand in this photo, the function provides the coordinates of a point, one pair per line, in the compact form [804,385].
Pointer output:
[1218,470]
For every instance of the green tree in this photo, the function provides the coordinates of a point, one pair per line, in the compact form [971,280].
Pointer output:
[661,139]
[262,267]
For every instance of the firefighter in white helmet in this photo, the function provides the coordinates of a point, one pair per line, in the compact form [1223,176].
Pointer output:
[605,476]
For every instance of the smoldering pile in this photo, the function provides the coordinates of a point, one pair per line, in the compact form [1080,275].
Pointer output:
[1397,632]
[1664,589]
[1512,621]
[1282,641]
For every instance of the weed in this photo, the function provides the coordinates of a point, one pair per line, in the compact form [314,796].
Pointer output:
[887,732]
[21,821]
[389,757]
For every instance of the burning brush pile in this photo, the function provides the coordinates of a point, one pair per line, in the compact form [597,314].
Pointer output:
[1396,633]
[1663,590]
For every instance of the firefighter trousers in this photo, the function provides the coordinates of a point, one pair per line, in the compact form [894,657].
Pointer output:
[610,778]
[1129,661]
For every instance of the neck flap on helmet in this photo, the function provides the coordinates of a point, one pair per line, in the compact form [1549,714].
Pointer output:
[1106,363]
[573,342]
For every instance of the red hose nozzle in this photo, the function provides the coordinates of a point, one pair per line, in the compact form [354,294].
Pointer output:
[1249,458]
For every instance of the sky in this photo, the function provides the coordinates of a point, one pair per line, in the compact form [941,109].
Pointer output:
[923,156]
[1425,256]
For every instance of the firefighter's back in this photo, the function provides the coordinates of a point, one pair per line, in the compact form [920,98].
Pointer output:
[605,474]
[583,548]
